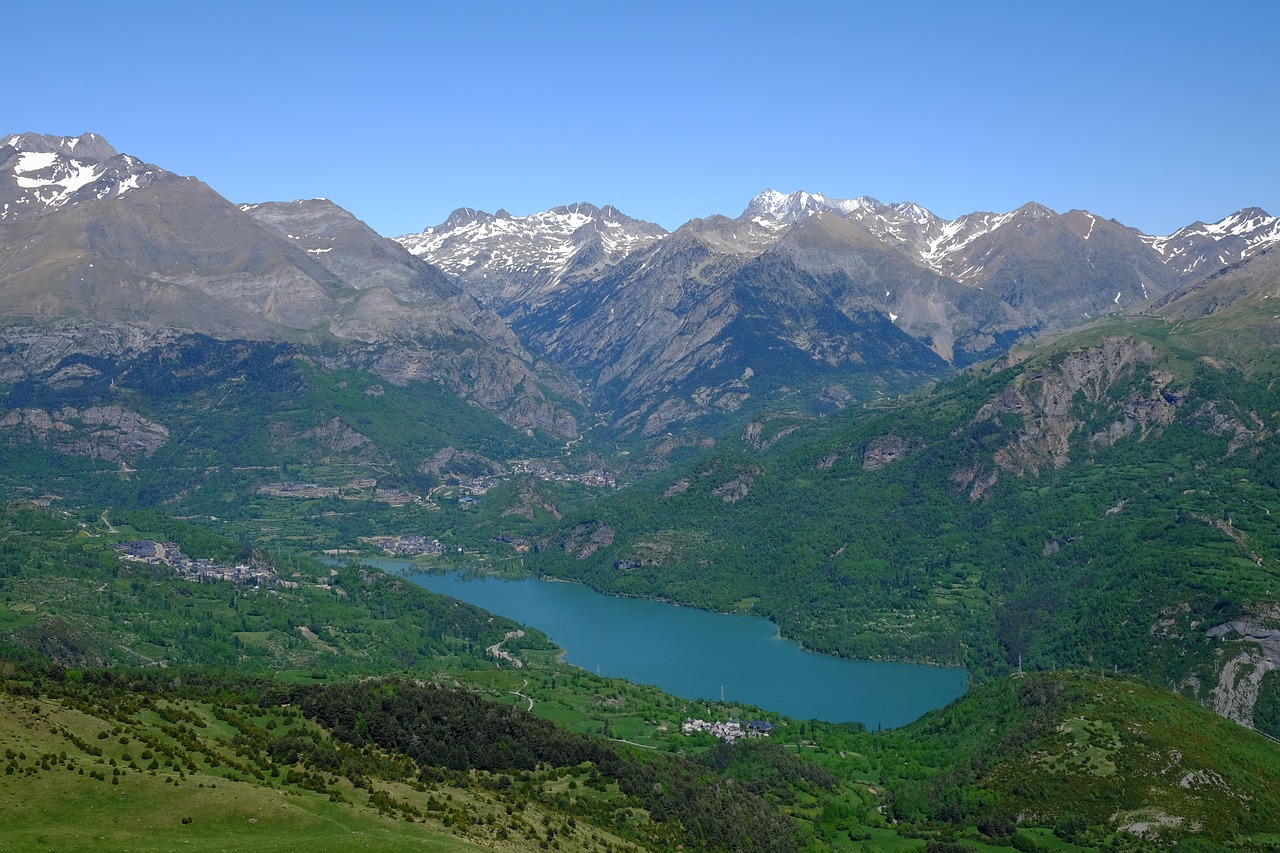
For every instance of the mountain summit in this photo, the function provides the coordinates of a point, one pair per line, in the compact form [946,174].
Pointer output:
[38,173]
[511,263]
[88,232]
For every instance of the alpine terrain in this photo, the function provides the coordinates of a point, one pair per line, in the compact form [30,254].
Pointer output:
[1041,446]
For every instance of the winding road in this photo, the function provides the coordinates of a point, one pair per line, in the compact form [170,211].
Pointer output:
[521,695]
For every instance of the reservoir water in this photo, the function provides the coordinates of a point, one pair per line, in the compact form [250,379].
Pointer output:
[695,654]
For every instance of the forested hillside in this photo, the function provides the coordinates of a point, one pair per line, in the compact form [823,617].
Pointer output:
[1108,502]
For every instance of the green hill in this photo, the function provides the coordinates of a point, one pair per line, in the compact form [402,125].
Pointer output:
[1090,755]
[116,762]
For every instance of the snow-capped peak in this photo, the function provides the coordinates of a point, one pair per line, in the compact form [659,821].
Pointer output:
[1201,247]
[789,208]
[535,250]
[86,146]
[40,173]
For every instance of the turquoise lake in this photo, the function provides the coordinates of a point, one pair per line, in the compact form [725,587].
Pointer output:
[695,654]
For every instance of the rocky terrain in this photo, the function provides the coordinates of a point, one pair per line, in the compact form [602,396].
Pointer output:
[90,233]
[658,324]
[514,263]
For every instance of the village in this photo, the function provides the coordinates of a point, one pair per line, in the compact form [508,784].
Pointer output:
[363,488]
[199,570]
[366,488]
[728,731]
[409,545]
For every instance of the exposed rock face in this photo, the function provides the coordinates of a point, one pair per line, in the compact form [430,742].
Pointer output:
[975,479]
[725,398]
[531,498]
[736,489]
[883,451]
[1241,677]
[1043,409]
[99,432]
[677,487]
[337,436]
[586,539]
[35,350]
[452,462]
[500,384]
[753,433]
[331,438]
[835,396]
[88,232]
[1242,434]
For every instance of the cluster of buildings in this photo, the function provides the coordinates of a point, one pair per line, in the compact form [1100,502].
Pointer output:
[590,478]
[730,730]
[362,488]
[298,490]
[365,488]
[409,545]
[395,497]
[480,485]
[200,569]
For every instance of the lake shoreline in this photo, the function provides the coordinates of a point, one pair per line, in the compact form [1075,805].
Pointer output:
[696,653]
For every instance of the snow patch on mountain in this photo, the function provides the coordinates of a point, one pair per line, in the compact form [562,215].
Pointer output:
[790,208]
[542,247]
[937,244]
[42,173]
[960,248]
[1200,246]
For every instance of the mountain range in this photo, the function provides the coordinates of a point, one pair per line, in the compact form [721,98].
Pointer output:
[87,234]
[666,327]
[1002,441]
[543,318]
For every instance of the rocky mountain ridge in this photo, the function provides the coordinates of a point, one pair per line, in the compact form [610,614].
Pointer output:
[90,233]
[510,261]
[796,294]
[658,308]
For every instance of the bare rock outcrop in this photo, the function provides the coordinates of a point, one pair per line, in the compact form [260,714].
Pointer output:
[110,433]
[1240,678]
[1046,406]
[737,488]
[586,539]
[35,350]
[754,434]
[1240,434]
[884,451]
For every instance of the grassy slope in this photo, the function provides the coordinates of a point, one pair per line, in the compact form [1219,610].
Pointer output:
[1130,763]
[51,803]
[1118,752]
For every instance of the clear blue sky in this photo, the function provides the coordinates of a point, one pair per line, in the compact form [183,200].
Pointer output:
[1156,114]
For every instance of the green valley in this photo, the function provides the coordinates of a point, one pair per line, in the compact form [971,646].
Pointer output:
[1038,446]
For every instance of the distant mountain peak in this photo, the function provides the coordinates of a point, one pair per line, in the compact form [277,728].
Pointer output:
[88,146]
[792,207]
[521,257]
[465,216]
[1035,210]
[40,173]
[1204,246]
